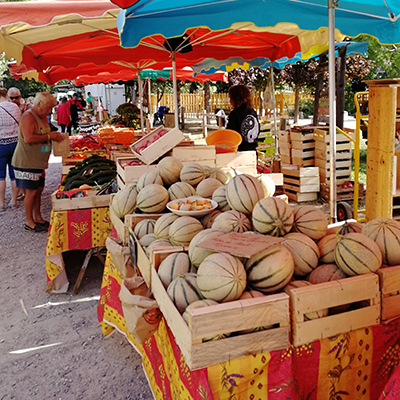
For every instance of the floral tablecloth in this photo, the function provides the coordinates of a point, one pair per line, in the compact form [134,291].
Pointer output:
[351,366]
[73,230]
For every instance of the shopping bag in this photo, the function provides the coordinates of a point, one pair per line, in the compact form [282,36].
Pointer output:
[141,312]
[121,257]
[61,148]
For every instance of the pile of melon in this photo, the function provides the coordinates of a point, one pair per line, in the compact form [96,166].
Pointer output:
[308,254]
[172,180]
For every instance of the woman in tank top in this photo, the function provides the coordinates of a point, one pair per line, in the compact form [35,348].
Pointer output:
[31,158]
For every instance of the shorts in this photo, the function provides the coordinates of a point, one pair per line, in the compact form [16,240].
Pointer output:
[6,154]
[27,178]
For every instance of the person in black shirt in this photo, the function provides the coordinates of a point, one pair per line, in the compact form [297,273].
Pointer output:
[243,118]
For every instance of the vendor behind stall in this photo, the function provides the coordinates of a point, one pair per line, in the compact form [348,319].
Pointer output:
[243,118]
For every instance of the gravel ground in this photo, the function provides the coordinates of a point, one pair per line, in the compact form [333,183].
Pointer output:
[79,363]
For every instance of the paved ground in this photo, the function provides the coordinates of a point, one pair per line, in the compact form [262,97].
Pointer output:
[57,350]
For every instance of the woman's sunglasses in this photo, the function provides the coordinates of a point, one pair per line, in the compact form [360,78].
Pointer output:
[14,97]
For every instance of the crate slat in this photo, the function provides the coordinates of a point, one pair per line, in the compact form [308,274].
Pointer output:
[363,288]
[303,162]
[302,172]
[194,153]
[389,280]
[300,197]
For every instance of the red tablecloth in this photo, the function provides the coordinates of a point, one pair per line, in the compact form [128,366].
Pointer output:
[351,366]
[73,230]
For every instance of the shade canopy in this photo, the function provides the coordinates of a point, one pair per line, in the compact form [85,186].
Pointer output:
[379,18]
[210,65]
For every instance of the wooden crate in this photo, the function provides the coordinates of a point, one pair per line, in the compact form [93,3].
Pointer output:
[324,147]
[115,154]
[286,159]
[284,136]
[129,173]
[389,280]
[303,162]
[304,154]
[300,197]
[340,155]
[80,203]
[321,135]
[250,170]
[121,183]
[194,153]
[285,151]
[210,163]
[340,164]
[118,224]
[65,169]
[158,148]
[238,159]
[342,194]
[224,318]
[363,290]
[301,181]
[342,175]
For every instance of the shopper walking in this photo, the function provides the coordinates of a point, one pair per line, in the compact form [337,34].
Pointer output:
[10,115]
[31,158]
[74,104]
[64,116]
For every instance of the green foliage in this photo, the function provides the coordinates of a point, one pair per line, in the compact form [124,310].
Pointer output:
[130,115]
[26,87]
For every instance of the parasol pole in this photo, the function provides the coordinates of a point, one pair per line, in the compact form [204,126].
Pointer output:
[332,109]
[150,107]
[140,101]
[175,90]
[273,96]
[98,103]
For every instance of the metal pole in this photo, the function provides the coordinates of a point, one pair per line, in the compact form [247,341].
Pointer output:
[175,90]
[273,96]
[150,107]
[140,101]
[332,109]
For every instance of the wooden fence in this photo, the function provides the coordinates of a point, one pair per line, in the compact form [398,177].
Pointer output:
[194,103]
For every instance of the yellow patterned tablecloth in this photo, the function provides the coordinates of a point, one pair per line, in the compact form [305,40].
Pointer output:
[73,230]
[350,366]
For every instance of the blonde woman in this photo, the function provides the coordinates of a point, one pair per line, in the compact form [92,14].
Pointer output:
[31,158]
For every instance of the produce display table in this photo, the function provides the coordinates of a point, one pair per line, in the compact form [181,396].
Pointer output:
[355,365]
[73,230]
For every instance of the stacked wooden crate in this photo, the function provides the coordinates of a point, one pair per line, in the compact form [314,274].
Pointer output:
[301,184]
[284,146]
[322,156]
[303,147]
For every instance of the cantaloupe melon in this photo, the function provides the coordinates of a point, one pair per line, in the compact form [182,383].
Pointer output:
[144,227]
[207,187]
[152,199]
[183,230]
[198,254]
[326,247]
[326,273]
[219,196]
[304,251]
[162,225]
[385,232]
[251,294]
[180,190]
[208,219]
[149,178]
[183,291]
[231,221]
[221,277]
[124,202]
[192,174]
[219,174]
[272,216]
[357,254]
[270,270]
[156,244]
[313,314]
[311,221]
[349,227]
[268,185]
[169,168]
[243,192]
[172,266]
[147,240]
[207,171]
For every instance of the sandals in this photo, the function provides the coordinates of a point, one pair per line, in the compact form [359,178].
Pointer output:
[21,197]
[45,224]
[38,228]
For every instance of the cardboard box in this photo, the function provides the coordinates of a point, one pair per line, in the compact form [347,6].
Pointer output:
[158,148]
